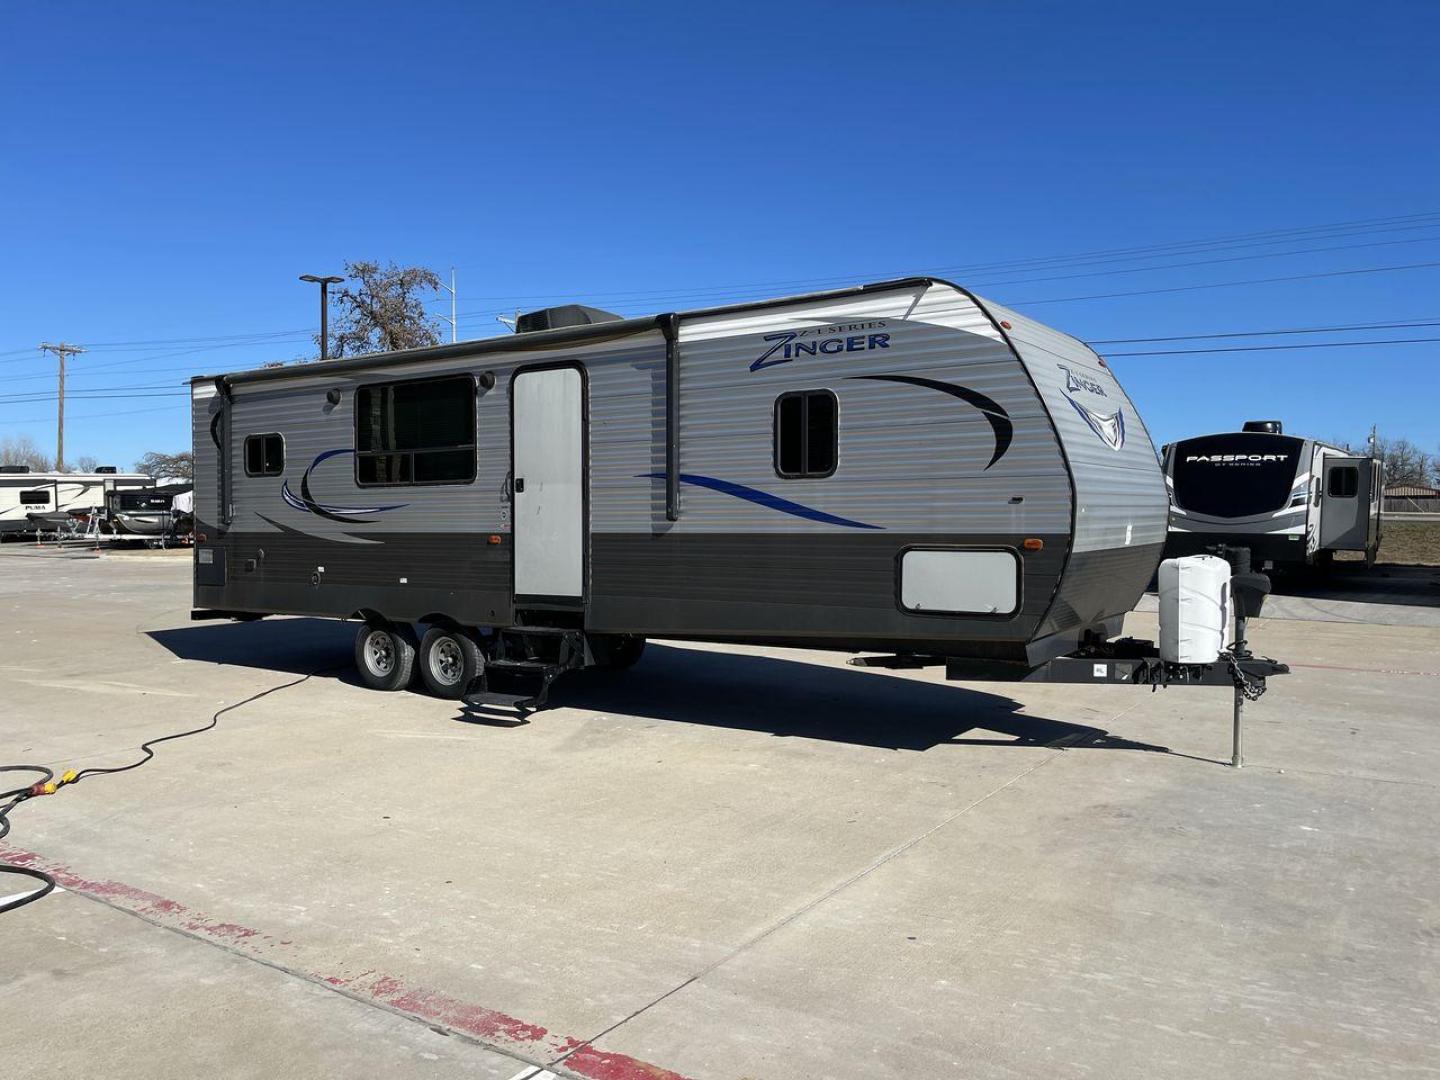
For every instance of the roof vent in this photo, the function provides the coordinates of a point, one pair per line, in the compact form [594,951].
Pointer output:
[14,468]
[1269,427]
[552,318]
[106,469]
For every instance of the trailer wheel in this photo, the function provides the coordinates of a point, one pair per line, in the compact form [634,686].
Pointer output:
[385,656]
[450,660]
[617,652]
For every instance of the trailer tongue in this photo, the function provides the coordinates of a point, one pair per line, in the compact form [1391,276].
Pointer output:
[1135,662]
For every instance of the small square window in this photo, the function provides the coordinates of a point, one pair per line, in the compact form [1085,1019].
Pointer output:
[35,497]
[807,433]
[264,455]
[1344,482]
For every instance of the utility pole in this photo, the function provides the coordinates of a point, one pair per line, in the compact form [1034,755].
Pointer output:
[61,351]
[324,283]
[451,290]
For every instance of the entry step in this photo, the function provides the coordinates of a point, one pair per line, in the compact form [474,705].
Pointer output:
[521,667]
[497,697]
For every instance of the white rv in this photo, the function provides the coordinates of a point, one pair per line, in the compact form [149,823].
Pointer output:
[1293,502]
[892,467]
[38,502]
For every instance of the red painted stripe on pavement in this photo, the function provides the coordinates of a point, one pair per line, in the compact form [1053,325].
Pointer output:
[432,1006]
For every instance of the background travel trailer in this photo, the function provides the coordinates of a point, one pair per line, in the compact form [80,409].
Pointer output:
[1292,501]
[893,467]
[23,493]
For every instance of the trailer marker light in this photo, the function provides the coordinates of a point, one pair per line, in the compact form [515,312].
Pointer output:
[493,539]
[1033,543]
[1005,324]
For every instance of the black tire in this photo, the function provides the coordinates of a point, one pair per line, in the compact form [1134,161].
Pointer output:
[617,652]
[450,660]
[385,656]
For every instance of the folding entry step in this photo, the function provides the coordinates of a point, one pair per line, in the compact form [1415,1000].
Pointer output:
[525,660]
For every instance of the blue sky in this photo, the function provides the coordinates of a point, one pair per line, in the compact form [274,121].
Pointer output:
[168,169]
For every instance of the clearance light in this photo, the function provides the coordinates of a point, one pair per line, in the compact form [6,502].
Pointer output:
[493,539]
[1033,543]
[1005,324]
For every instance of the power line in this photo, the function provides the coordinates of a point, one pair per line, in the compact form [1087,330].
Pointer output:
[1419,220]
[1276,348]
[1355,227]
[1012,266]
[96,416]
[1227,284]
[1267,333]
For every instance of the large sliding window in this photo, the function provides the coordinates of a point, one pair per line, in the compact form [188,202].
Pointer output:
[421,431]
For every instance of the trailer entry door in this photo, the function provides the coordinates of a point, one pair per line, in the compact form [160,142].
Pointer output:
[549,483]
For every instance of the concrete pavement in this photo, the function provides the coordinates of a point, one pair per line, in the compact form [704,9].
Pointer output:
[725,863]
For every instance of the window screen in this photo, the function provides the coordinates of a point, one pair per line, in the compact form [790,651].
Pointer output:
[1344,482]
[264,455]
[807,433]
[417,432]
[35,497]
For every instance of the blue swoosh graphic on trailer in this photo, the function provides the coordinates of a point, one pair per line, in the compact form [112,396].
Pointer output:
[765,499]
[343,514]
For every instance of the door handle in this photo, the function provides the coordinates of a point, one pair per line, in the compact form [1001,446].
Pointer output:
[519,484]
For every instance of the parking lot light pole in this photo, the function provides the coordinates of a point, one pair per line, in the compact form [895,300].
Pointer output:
[324,283]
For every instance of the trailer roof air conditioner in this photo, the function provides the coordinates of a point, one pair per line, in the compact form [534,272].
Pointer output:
[553,318]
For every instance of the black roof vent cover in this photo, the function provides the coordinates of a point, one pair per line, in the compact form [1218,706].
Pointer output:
[1269,427]
[107,469]
[552,318]
[14,468]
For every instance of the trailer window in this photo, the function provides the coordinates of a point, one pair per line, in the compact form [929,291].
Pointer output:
[417,432]
[1344,482]
[807,433]
[264,455]
[35,497]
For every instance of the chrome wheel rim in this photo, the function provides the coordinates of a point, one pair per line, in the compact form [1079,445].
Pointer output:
[380,652]
[447,662]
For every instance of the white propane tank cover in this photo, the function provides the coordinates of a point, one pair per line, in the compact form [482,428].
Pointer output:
[1194,609]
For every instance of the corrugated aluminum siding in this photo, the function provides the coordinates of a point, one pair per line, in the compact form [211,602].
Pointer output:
[1120,494]
[910,458]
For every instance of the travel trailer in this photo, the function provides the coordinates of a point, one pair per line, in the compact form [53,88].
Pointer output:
[897,467]
[35,501]
[144,514]
[1293,502]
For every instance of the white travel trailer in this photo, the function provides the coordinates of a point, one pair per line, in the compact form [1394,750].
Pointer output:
[898,467]
[1293,502]
[36,501]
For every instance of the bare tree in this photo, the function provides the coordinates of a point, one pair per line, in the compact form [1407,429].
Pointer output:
[85,463]
[21,450]
[177,466]
[381,309]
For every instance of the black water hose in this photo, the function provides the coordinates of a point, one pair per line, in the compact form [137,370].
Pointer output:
[47,785]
